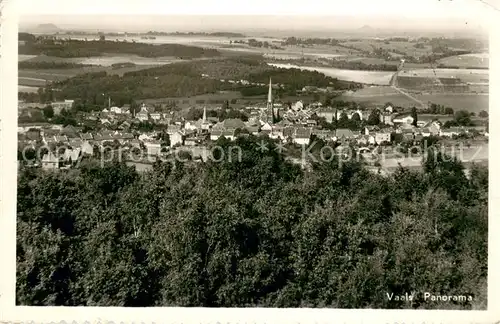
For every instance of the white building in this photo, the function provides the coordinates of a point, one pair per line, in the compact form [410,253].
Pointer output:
[176,138]
[153,147]
[116,110]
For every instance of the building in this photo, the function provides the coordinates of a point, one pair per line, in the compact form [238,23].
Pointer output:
[215,134]
[153,147]
[302,136]
[176,139]
[50,161]
[343,134]
[327,114]
[86,148]
[450,132]
[155,116]
[116,110]
[403,120]
[60,105]
[382,137]
[386,119]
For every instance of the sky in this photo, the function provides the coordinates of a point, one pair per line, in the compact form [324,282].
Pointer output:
[376,13]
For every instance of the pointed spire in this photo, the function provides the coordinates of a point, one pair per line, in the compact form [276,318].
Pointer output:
[204,114]
[270,93]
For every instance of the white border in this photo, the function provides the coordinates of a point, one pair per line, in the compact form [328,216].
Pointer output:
[8,174]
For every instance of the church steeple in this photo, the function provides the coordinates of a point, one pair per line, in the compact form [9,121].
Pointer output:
[204,114]
[270,93]
[270,100]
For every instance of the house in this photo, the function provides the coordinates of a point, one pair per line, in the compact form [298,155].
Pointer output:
[215,134]
[75,142]
[327,114]
[155,116]
[105,121]
[135,143]
[403,120]
[58,106]
[323,134]
[233,123]
[176,139]
[229,134]
[389,109]
[450,132]
[146,137]
[370,130]
[61,139]
[142,116]
[425,132]
[153,147]
[343,134]
[191,141]
[302,136]
[70,131]
[386,119]
[266,127]
[408,134]
[50,161]
[86,136]
[382,137]
[115,110]
[86,148]
[311,122]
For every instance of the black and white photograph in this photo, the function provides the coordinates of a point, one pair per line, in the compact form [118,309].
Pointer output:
[335,156]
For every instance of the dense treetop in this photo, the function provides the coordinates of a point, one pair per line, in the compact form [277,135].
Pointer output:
[82,48]
[182,79]
[252,232]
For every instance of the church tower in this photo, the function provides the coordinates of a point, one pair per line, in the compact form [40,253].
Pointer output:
[204,115]
[270,100]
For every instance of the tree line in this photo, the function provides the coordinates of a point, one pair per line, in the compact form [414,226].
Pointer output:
[257,231]
[181,79]
[84,48]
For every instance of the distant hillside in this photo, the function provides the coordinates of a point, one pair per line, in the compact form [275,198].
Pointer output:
[46,29]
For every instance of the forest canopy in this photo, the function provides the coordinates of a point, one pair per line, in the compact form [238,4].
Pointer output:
[255,232]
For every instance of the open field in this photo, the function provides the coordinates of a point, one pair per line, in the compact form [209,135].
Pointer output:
[380,95]
[27,77]
[368,77]
[22,88]
[470,102]
[104,60]
[22,57]
[467,60]
[405,47]
[466,75]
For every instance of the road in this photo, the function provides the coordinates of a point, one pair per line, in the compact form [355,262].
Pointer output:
[393,85]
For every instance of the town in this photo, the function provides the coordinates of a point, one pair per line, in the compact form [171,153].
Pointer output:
[156,130]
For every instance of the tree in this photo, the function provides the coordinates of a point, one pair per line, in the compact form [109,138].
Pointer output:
[483,114]
[254,231]
[374,117]
[48,111]
[414,116]
[462,118]
[449,111]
